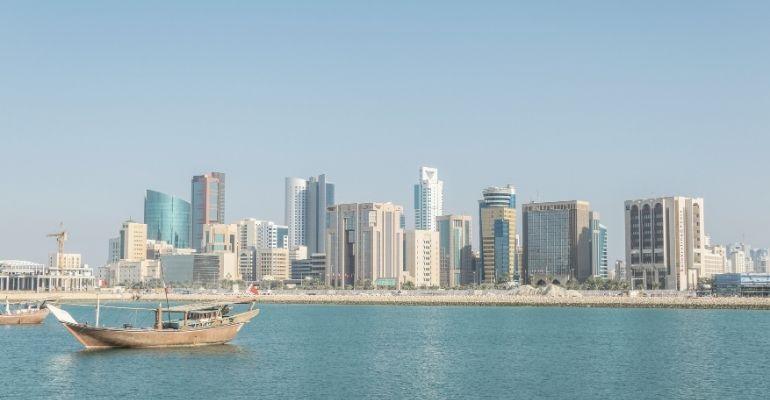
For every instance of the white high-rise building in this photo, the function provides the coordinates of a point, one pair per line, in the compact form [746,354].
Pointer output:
[714,261]
[737,261]
[307,201]
[295,208]
[259,234]
[422,258]
[665,242]
[428,199]
[739,258]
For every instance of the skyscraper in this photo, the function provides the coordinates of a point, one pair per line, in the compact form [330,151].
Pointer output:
[599,261]
[557,242]
[319,197]
[295,204]
[306,206]
[428,199]
[365,242]
[665,239]
[455,250]
[208,204]
[167,219]
[497,227]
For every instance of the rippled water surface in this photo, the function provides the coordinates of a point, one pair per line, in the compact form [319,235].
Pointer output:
[309,351]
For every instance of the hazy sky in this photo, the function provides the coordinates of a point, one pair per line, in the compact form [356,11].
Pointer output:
[600,101]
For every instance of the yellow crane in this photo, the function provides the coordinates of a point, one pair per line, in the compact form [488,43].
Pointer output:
[60,236]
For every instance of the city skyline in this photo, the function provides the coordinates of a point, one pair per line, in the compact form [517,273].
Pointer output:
[95,258]
[532,95]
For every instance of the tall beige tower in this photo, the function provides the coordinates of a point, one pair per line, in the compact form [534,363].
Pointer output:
[364,245]
[133,241]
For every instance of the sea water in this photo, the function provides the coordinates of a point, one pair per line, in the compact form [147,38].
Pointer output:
[400,352]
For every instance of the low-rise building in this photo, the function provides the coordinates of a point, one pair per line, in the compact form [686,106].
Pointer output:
[131,272]
[733,284]
[273,264]
[26,275]
[200,269]
[312,268]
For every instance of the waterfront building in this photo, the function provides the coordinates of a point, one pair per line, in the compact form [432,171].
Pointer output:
[208,205]
[200,269]
[306,204]
[455,250]
[168,219]
[113,251]
[714,261]
[130,272]
[365,244]
[665,240]
[218,238]
[294,206]
[599,261]
[261,234]
[428,199]
[133,241]
[65,271]
[737,261]
[740,259]
[310,269]
[17,275]
[557,242]
[273,264]
[319,197]
[64,261]
[247,263]
[422,257]
[742,284]
[497,238]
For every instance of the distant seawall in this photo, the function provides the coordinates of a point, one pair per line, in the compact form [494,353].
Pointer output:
[742,303]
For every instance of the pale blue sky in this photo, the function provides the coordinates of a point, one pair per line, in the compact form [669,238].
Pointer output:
[601,101]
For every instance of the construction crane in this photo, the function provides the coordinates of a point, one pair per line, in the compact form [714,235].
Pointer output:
[60,236]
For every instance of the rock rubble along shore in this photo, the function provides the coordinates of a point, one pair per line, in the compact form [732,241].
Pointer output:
[521,297]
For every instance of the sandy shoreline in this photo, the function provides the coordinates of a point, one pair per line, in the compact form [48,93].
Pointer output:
[431,300]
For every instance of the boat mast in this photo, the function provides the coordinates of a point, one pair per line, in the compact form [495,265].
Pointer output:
[165,290]
[98,305]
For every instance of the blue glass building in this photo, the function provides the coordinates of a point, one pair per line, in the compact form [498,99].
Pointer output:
[167,218]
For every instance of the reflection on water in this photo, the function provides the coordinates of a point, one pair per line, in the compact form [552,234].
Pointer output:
[221,350]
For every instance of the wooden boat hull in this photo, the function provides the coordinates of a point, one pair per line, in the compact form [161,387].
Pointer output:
[32,318]
[103,338]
